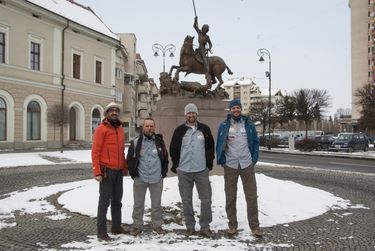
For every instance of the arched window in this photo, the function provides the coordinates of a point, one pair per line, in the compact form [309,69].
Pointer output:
[33,121]
[3,120]
[95,120]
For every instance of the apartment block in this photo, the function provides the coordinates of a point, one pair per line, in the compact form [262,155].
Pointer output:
[362,48]
[249,93]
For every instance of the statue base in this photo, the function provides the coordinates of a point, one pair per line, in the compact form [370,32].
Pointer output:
[170,114]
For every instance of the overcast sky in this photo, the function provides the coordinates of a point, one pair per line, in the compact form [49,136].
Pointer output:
[309,40]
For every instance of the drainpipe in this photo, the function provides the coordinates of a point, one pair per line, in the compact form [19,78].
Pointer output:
[62,88]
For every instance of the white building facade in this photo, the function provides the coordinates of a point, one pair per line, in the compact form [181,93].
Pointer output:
[249,93]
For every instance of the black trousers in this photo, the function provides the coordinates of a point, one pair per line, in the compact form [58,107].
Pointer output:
[110,192]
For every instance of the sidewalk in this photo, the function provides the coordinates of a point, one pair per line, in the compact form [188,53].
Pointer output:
[357,154]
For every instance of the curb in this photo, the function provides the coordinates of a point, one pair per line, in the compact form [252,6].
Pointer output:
[315,153]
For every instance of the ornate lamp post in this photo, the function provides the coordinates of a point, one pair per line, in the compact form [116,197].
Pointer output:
[163,49]
[261,52]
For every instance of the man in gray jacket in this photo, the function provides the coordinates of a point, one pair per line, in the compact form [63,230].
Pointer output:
[192,153]
[148,165]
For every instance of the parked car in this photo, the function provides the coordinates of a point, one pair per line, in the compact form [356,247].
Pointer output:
[324,142]
[274,141]
[350,142]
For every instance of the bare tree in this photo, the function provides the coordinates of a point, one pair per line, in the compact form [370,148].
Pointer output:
[55,119]
[366,99]
[343,113]
[310,105]
[259,112]
[285,109]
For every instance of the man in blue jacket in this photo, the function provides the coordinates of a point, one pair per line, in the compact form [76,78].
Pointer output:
[237,150]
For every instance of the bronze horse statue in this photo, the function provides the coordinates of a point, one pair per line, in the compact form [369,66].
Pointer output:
[190,64]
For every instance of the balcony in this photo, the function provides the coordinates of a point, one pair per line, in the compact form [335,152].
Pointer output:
[143,89]
[142,106]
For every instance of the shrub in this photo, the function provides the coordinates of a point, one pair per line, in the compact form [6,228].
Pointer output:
[307,145]
[273,143]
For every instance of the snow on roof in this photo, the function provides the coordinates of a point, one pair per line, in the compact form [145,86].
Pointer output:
[274,91]
[77,13]
[240,81]
[248,81]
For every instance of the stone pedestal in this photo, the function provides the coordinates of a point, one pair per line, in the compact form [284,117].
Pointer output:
[170,114]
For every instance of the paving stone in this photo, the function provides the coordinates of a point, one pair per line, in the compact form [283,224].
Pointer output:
[345,229]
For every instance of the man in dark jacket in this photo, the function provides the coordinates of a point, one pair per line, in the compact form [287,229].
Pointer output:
[237,150]
[192,154]
[148,165]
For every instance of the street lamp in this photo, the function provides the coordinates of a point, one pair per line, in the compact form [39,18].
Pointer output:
[261,52]
[163,49]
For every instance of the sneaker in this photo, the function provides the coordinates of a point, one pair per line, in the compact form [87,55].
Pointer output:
[158,230]
[232,231]
[104,237]
[135,231]
[120,230]
[257,232]
[189,232]
[206,233]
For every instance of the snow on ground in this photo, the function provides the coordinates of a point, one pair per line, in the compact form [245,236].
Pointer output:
[280,202]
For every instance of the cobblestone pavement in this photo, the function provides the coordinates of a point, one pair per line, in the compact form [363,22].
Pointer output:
[350,229]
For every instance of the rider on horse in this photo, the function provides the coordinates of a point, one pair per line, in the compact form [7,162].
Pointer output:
[203,40]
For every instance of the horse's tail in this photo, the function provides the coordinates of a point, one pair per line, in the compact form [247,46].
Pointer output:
[229,71]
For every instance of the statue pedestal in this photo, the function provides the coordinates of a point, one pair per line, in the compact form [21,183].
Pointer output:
[170,114]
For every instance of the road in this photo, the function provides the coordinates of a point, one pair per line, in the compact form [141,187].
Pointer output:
[322,162]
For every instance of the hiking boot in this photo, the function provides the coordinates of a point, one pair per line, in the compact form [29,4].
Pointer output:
[257,232]
[104,237]
[119,230]
[232,231]
[189,232]
[158,230]
[206,233]
[135,231]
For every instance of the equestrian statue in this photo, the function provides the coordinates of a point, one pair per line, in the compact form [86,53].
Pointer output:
[197,61]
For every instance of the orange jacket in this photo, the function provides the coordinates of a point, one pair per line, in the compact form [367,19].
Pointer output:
[108,148]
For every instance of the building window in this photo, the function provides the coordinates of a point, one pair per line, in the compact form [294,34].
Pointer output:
[95,120]
[33,121]
[236,92]
[98,72]
[35,56]
[3,120]
[76,66]
[2,47]
[118,73]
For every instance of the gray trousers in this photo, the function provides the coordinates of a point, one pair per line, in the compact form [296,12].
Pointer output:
[186,183]
[139,193]
[250,189]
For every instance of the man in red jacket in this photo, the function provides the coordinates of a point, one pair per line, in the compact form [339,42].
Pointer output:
[109,166]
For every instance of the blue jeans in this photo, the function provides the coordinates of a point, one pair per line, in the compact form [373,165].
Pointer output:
[110,192]
[186,183]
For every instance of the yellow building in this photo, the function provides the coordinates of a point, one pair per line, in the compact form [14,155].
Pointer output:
[53,53]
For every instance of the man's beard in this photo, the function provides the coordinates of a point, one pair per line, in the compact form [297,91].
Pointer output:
[191,120]
[113,119]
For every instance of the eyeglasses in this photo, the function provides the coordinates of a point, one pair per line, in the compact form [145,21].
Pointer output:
[114,110]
